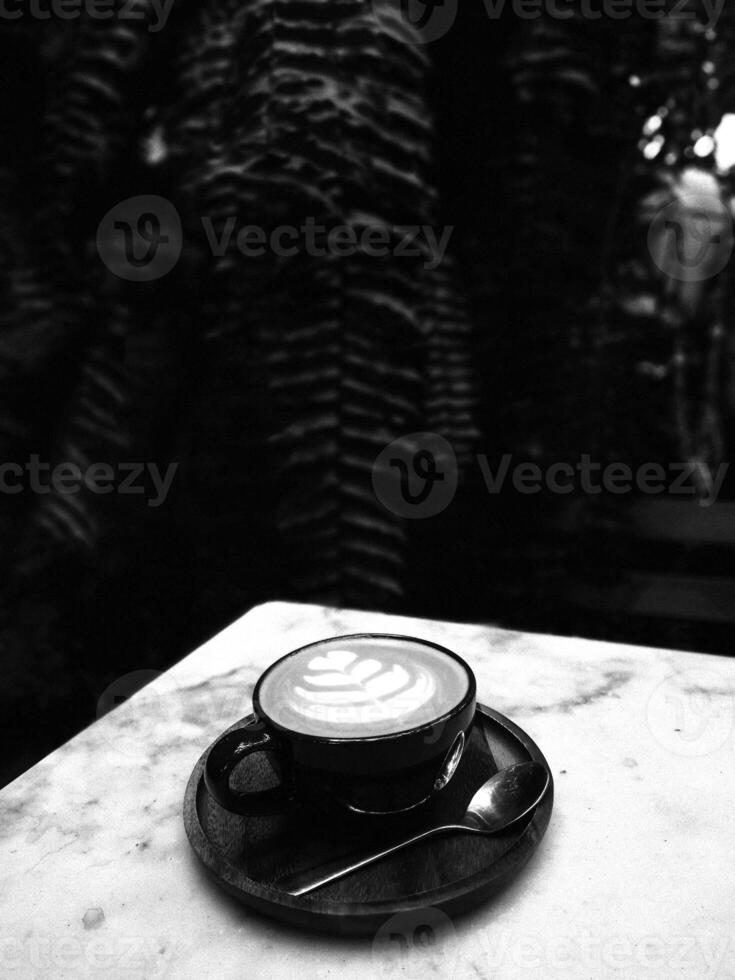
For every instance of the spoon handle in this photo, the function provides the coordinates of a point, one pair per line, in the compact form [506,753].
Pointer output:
[293,886]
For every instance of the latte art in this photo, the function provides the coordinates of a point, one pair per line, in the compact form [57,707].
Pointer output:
[362,686]
[343,680]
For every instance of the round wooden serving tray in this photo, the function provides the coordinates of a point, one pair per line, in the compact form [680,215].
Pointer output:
[454,872]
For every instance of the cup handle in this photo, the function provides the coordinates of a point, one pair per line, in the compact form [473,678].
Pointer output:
[229,750]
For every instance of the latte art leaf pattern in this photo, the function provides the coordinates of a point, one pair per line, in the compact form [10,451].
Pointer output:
[362,686]
[342,686]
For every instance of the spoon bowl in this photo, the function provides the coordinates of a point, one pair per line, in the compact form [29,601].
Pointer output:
[507,797]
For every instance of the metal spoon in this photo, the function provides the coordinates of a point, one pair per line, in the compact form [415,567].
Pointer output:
[506,797]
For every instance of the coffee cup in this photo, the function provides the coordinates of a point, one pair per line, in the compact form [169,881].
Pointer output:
[371,724]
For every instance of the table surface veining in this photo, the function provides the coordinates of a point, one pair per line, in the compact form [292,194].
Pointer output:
[635,877]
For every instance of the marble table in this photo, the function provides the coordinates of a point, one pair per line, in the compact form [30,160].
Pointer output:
[633,879]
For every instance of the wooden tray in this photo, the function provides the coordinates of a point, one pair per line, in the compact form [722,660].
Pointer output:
[454,872]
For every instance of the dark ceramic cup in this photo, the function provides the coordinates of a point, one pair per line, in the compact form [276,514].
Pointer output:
[370,724]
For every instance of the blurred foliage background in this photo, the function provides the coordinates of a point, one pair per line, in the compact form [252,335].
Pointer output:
[551,331]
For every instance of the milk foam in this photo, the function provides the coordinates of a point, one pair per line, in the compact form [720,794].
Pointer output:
[364,686]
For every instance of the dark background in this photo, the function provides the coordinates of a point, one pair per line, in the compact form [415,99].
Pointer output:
[531,343]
